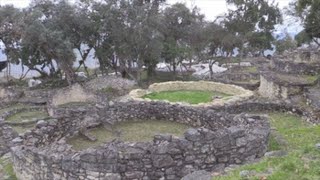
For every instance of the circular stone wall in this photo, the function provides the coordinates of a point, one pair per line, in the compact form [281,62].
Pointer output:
[237,93]
[217,140]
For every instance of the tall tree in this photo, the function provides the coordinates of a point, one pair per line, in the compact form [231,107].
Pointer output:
[253,21]
[309,11]
[178,20]
[49,42]
[10,32]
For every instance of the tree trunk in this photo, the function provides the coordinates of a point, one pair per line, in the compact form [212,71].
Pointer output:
[174,68]
[211,70]
[68,70]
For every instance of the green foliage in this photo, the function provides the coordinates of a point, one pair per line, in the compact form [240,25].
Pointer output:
[192,97]
[303,38]
[309,11]
[182,34]
[128,35]
[250,15]
[10,31]
[285,44]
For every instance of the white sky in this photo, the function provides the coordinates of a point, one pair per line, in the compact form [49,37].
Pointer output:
[211,8]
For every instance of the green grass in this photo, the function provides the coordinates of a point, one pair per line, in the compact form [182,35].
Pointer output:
[22,128]
[311,79]
[302,161]
[273,144]
[6,170]
[251,69]
[27,116]
[138,131]
[109,90]
[192,97]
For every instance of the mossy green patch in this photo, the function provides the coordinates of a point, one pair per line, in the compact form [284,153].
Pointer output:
[311,79]
[251,69]
[23,128]
[6,170]
[192,97]
[27,116]
[134,131]
[302,161]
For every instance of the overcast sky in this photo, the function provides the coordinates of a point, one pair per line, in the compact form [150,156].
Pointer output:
[211,8]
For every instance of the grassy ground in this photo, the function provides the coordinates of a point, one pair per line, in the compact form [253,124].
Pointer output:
[23,128]
[311,79]
[6,170]
[250,69]
[302,161]
[192,97]
[130,131]
[27,115]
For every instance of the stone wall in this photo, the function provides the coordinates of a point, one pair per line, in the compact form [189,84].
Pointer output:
[237,93]
[271,89]
[9,94]
[249,81]
[302,55]
[290,67]
[273,86]
[216,141]
[113,82]
[75,93]
[7,134]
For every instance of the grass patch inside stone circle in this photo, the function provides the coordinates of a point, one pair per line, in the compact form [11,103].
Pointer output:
[27,116]
[302,161]
[191,97]
[23,128]
[133,131]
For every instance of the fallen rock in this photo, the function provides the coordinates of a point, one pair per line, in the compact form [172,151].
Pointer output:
[244,173]
[276,154]
[198,175]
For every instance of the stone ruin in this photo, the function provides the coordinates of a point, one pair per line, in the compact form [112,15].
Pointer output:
[220,136]
[215,141]
[290,75]
[237,93]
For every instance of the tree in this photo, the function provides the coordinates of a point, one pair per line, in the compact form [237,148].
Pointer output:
[303,38]
[178,20]
[253,22]
[287,43]
[43,41]
[10,32]
[309,12]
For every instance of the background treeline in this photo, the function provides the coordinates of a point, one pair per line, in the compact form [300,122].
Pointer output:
[127,34]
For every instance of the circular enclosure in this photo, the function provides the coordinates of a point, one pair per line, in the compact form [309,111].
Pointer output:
[215,141]
[192,93]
